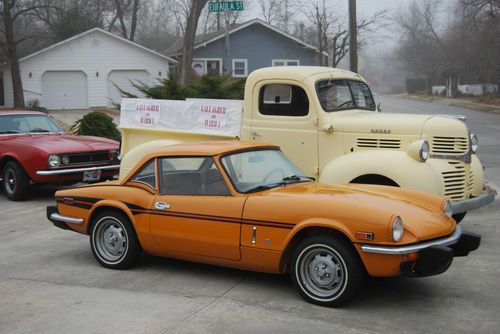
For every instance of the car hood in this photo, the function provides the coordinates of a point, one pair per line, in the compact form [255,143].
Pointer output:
[365,206]
[64,143]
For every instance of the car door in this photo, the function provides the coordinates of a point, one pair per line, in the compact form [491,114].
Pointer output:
[282,116]
[195,212]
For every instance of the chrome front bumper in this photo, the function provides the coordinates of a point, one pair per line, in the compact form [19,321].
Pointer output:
[396,250]
[75,170]
[486,197]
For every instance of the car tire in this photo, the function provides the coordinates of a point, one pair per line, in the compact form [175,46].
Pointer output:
[15,181]
[113,240]
[326,270]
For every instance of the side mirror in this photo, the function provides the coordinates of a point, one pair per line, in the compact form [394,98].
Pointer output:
[378,107]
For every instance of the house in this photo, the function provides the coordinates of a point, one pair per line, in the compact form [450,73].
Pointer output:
[82,71]
[252,45]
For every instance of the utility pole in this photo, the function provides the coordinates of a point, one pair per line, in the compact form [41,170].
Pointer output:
[353,38]
[226,46]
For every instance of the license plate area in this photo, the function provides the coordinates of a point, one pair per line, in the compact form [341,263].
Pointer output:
[91,175]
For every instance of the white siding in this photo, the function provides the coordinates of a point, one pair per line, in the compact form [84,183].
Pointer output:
[96,54]
[124,80]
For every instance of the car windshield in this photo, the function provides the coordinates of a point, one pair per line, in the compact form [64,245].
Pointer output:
[10,124]
[261,169]
[335,95]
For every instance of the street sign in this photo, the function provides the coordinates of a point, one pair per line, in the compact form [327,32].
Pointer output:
[225,6]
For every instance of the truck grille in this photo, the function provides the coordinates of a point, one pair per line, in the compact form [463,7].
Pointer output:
[378,143]
[455,181]
[449,145]
[88,158]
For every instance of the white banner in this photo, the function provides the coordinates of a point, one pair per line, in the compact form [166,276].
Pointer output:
[207,116]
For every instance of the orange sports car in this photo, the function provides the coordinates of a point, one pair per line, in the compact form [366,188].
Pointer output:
[245,205]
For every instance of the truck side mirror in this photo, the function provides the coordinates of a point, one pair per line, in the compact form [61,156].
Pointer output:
[378,107]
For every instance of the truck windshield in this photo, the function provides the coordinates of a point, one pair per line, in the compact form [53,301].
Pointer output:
[27,123]
[335,95]
[258,170]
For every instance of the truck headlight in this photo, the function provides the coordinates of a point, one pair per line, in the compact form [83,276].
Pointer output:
[419,150]
[424,151]
[397,229]
[474,143]
[54,160]
[447,209]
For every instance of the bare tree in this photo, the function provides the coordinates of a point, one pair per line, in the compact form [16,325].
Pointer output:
[328,30]
[11,11]
[189,38]
[122,8]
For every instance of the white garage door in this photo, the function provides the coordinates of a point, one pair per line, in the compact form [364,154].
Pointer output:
[122,78]
[64,90]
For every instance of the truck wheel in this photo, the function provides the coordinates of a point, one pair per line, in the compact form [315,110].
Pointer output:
[113,241]
[326,270]
[15,181]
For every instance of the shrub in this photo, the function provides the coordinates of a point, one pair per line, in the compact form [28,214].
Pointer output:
[210,87]
[96,124]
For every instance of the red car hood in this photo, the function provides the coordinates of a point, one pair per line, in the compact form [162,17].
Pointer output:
[63,143]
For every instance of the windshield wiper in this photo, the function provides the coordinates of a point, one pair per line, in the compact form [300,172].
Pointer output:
[8,131]
[345,104]
[264,187]
[298,178]
[39,130]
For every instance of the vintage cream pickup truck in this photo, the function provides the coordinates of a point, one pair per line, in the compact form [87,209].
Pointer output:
[327,123]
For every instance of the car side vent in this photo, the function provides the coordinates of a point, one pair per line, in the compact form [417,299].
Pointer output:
[378,143]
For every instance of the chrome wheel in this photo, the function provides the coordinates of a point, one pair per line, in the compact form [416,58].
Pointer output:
[110,240]
[321,272]
[10,181]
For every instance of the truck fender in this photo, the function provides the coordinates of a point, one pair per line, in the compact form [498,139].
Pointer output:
[397,166]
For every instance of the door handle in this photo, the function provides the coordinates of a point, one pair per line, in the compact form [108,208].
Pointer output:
[162,206]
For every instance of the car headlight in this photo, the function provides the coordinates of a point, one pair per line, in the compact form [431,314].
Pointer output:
[448,209]
[474,143]
[65,160]
[397,229]
[54,160]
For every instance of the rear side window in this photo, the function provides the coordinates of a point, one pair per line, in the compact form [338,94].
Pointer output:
[147,174]
[283,100]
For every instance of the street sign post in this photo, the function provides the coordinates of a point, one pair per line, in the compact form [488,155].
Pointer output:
[225,6]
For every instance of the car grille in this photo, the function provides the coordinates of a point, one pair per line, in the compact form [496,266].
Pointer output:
[88,158]
[378,143]
[449,145]
[458,181]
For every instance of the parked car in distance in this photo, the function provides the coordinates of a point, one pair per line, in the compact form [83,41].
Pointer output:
[35,150]
[245,205]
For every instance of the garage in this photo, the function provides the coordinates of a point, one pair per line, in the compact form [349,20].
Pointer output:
[64,90]
[122,78]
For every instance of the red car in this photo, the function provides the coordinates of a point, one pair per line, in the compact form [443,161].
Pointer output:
[35,150]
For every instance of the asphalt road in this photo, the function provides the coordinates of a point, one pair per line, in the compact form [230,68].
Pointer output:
[50,282]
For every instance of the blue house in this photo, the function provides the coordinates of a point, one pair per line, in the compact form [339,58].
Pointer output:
[252,45]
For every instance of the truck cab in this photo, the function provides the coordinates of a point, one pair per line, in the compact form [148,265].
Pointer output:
[327,122]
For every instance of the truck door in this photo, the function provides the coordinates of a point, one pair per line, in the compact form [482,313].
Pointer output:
[281,115]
